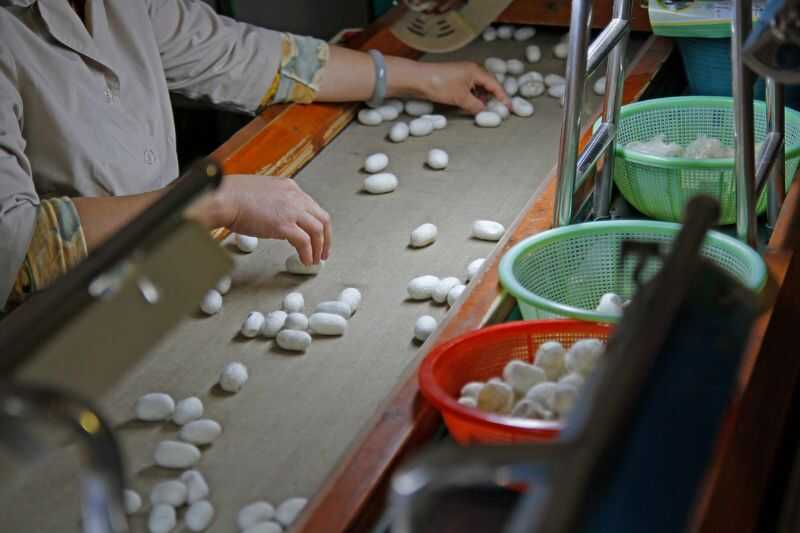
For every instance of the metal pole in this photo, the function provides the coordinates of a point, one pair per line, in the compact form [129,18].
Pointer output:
[743,107]
[570,129]
[776,187]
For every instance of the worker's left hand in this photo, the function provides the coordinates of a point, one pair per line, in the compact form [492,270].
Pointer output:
[462,84]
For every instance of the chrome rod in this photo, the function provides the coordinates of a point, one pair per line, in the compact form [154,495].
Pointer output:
[776,187]
[767,159]
[604,44]
[743,107]
[597,145]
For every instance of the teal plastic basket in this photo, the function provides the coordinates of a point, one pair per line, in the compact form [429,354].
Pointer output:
[660,187]
[563,272]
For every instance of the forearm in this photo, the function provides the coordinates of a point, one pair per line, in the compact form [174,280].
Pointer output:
[102,217]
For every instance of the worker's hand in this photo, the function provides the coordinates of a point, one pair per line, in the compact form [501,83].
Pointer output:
[461,84]
[269,208]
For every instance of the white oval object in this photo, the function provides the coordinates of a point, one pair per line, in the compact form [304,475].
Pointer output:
[599,86]
[533,53]
[295,266]
[438,159]
[294,341]
[499,77]
[424,327]
[524,33]
[583,356]
[420,127]
[196,486]
[388,112]
[327,324]
[212,302]
[399,132]
[376,162]
[488,119]
[556,91]
[532,89]
[561,50]
[288,511]
[417,108]
[188,409]
[294,302]
[471,389]
[510,86]
[466,401]
[252,324]
[515,67]
[133,502]
[199,516]
[246,243]
[487,230]
[573,379]
[550,358]
[489,34]
[455,293]
[521,376]
[439,121]
[495,106]
[335,307]
[201,432]
[611,304]
[554,79]
[530,76]
[233,377]
[382,183]
[505,32]
[541,395]
[422,287]
[352,297]
[474,267]
[224,285]
[154,406]
[521,107]
[524,409]
[369,117]
[254,513]
[423,235]
[296,321]
[162,519]
[443,289]
[265,527]
[495,65]
[563,399]
[395,103]
[172,492]
[175,454]
[273,323]
[496,397]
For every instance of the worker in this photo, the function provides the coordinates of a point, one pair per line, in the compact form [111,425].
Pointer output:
[87,138]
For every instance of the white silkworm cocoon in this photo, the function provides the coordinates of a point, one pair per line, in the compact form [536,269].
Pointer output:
[443,289]
[530,76]
[376,162]
[233,377]
[417,108]
[369,117]
[395,103]
[422,287]
[564,399]
[212,302]
[399,132]
[496,106]
[438,159]
[474,267]
[352,297]
[561,50]
[254,513]
[495,65]
[199,516]
[466,401]
[196,486]
[201,432]
[611,304]
[521,107]
[541,395]
[224,285]
[487,230]
[515,67]
[420,127]
[505,32]
[294,341]
[424,327]
[496,397]
[522,376]
[388,112]
[273,323]
[336,307]
[488,119]
[294,302]
[524,409]
[471,389]
[265,527]
[556,91]
[599,86]
[583,356]
[133,502]
[511,86]
[554,79]
[162,519]
[174,454]
[524,33]
[439,121]
[246,243]
[172,492]
[382,183]
[295,266]
[533,53]
[252,324]
[550,358]
[489,34]
[154,406]
[532,89]
[188,409]
[424,235]
[455,293]
[574,379]
[289,510]
[327,324]
[500,77]
[296,322]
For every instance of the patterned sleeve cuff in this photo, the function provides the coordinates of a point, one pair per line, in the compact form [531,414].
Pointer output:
[57,245]
[303,61]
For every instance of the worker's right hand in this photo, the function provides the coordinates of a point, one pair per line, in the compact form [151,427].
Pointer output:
[269,208]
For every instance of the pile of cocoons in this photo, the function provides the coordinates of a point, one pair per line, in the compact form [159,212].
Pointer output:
[702,147]
[544,390]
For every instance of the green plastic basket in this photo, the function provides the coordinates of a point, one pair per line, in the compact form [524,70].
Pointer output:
[563,272]
[660,187]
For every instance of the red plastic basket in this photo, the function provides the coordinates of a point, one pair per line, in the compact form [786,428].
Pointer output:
[481,355]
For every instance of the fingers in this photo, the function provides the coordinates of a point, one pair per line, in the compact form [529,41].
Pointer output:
[327,228]
[301,241]
[472,104]
[489,83]
[316,232]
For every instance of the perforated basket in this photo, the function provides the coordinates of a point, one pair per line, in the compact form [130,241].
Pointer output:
[660,187]
[563,272]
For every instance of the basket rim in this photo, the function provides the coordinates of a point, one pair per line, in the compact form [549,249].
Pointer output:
[755,281]
[444,403]
[688,102]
